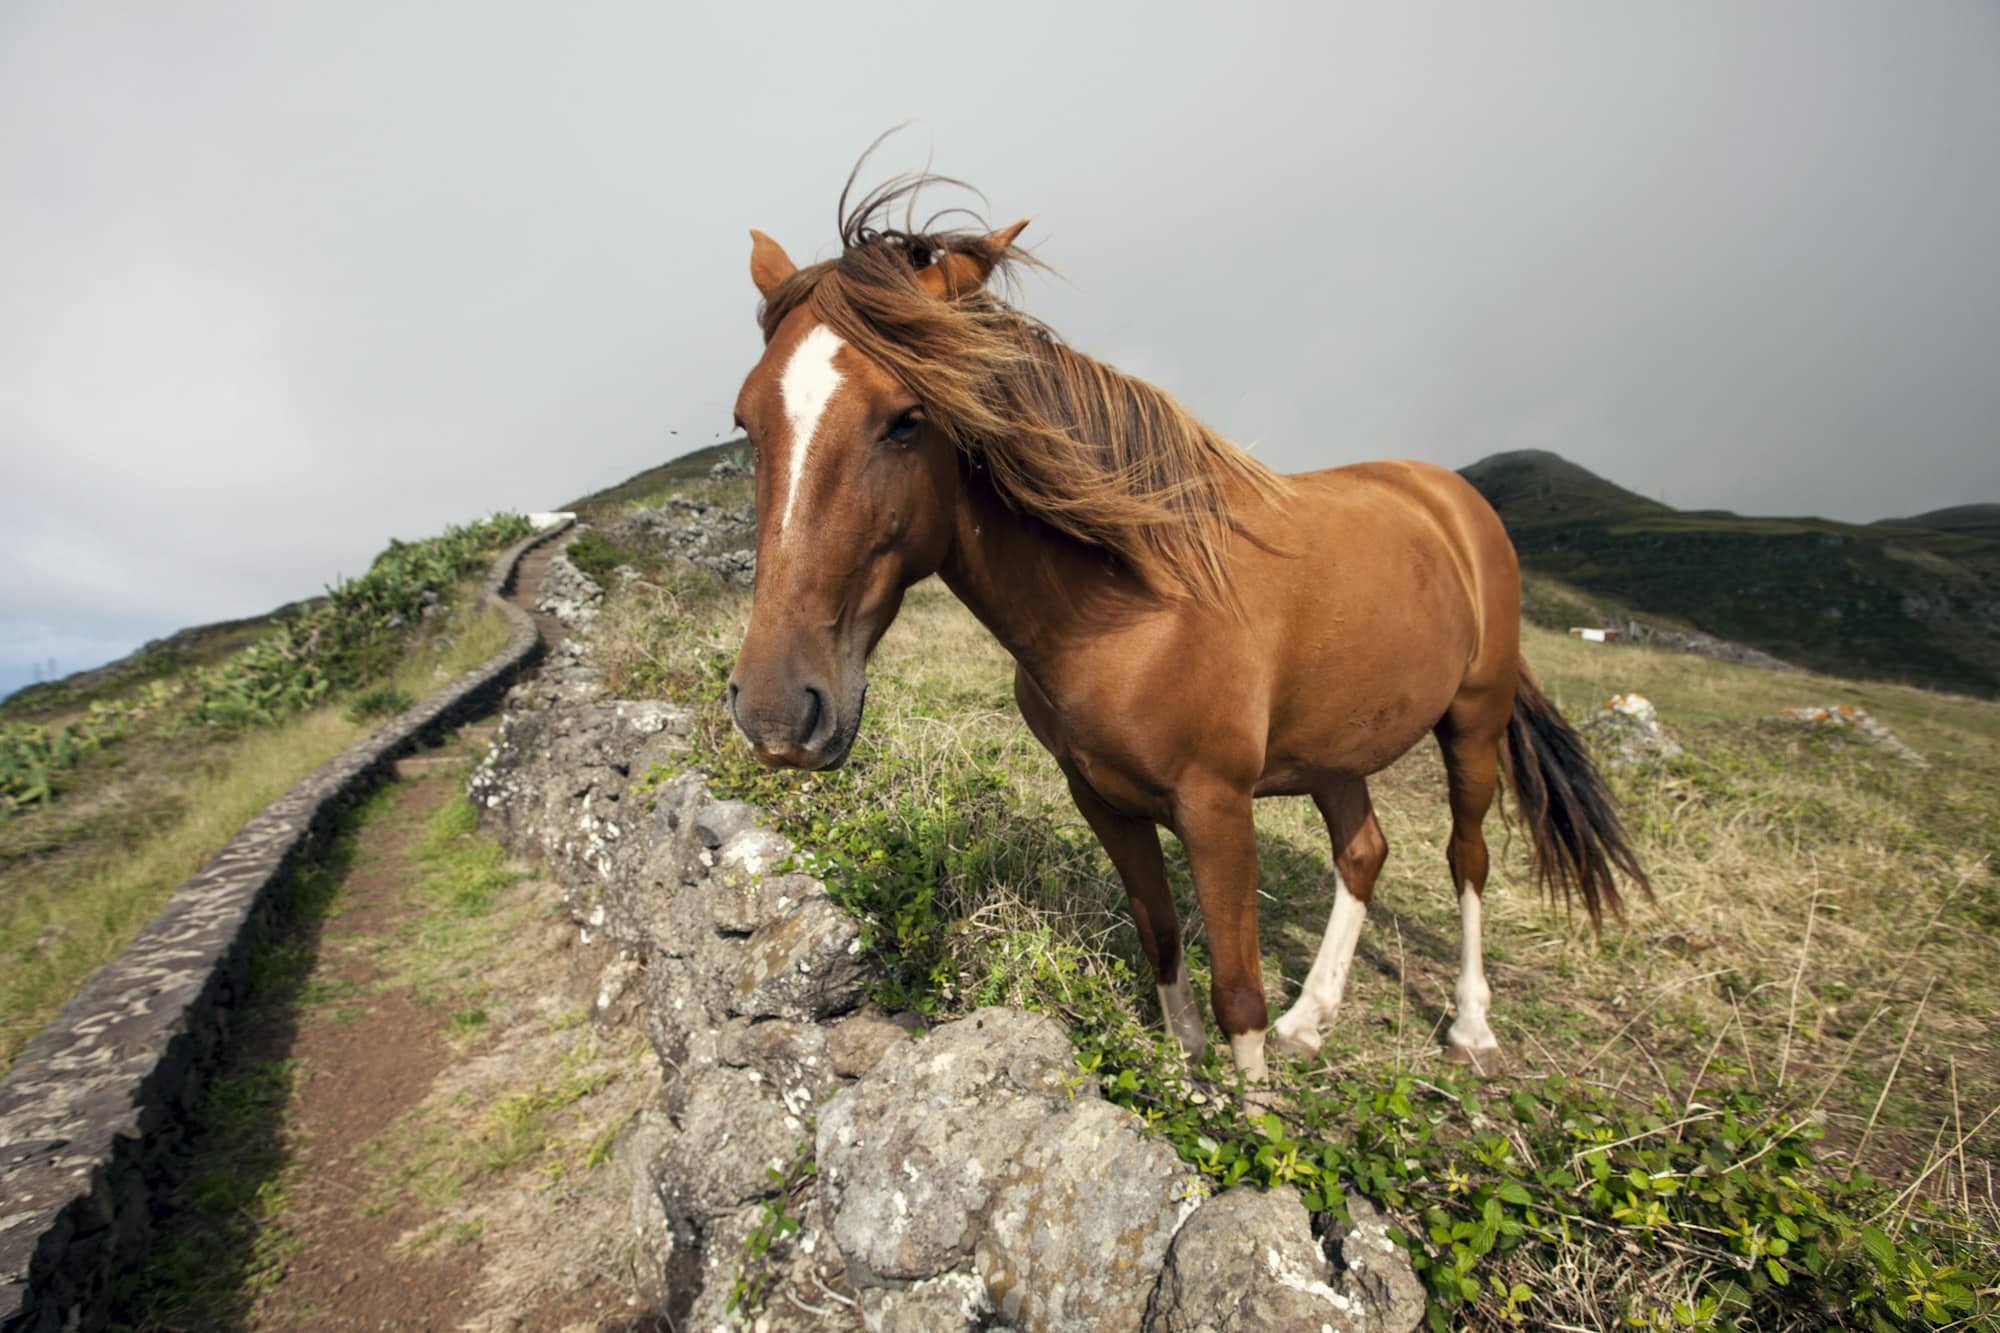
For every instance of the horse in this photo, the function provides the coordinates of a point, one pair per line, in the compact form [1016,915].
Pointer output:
[1191,630]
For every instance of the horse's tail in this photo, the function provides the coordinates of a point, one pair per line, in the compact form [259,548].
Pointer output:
[1571,816]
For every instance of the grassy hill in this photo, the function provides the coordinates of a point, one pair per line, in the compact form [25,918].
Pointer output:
[655,482]
[1914,599]
[162,659]
[1917,600]
[1972,520]
[116,784]
[1534,485]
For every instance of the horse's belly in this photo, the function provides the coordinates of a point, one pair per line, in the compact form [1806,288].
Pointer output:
[1307,764]
[1353,728]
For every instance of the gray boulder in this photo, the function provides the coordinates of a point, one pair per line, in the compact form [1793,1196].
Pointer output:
[1378,1269]
[952,1303]
[806,964]
[1079,1227]
[790,1056]
[857,1043]
[911,1157]
[1246,1262]
[734,1131]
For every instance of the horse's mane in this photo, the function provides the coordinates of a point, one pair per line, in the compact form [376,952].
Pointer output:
[1105,458]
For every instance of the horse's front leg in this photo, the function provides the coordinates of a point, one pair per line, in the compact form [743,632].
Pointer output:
[1215,824]
[1134,847]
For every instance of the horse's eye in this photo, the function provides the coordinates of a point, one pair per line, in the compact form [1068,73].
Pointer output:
[904,428]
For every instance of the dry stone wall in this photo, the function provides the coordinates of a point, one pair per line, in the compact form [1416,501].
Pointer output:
[91,1115]
[969,1177]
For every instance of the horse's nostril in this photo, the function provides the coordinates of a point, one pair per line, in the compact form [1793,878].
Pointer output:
[815,708]
[733,691]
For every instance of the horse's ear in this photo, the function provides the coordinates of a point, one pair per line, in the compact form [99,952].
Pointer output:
[964,270]
[769,264]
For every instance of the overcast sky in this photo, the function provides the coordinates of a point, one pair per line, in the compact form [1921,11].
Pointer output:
[279,282]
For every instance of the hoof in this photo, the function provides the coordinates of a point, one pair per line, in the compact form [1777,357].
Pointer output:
[1259,1101]
[1487,1061]
[1305,1045]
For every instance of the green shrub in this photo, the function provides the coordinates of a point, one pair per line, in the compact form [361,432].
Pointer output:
[381,701]
[352,635]
[592,553]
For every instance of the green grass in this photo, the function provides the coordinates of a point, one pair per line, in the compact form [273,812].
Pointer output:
[79,878]
[1710,1031]
[542,1120]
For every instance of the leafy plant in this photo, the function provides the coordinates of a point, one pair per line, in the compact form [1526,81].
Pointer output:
[776,1221]
[351,635]
[382,701]
[594,554]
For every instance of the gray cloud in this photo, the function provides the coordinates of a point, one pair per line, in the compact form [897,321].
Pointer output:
[282,283]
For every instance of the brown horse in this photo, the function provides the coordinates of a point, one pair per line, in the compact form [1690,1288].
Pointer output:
[1191,631]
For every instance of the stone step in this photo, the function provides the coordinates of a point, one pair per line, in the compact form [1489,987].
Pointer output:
[420,765]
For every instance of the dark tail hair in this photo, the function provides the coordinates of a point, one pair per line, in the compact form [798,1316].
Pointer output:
[1578,839]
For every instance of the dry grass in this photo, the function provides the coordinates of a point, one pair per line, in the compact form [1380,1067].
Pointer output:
[1823,934]
[1753,831]
[79,878]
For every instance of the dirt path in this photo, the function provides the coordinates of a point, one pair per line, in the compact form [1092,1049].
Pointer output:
[528,585]
[345,1173]
[360,1069]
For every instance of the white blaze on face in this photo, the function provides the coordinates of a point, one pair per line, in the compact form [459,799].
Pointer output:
[808,385]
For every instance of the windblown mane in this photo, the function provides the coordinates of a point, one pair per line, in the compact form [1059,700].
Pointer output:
[1096,454]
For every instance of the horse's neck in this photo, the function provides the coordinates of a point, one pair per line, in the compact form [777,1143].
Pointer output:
[1035,589]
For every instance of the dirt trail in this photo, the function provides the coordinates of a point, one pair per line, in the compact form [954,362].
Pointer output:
[528,585]
[369,1061]
[357,1076]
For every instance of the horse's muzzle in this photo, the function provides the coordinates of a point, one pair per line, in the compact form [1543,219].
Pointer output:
[793,728]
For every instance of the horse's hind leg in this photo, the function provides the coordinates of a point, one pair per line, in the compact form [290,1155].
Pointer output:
[1471,746]
[1134,847]
[1359,849]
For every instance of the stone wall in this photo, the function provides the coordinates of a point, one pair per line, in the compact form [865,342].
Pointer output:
[92,1114]
[966,1178]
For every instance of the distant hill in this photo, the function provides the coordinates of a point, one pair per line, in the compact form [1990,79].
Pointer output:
[1973,520]
[1917,600]
[656,480]
[160,659]
[1532,485]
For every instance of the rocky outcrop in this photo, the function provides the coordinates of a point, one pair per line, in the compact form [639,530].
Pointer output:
[721,539]
[808,1157]
[1626,731]
[569,594]
[1850,720]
